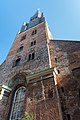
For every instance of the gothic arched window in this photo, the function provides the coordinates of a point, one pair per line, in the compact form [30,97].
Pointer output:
[18,104]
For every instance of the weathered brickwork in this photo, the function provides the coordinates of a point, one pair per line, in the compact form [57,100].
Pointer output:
[65,56]
[40,49]
[26,67]
[48,69]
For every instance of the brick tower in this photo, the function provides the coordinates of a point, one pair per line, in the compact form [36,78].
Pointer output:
[40,75]
[27,74]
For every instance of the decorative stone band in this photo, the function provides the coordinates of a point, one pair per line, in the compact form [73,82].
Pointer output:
[39,74]
[4,91]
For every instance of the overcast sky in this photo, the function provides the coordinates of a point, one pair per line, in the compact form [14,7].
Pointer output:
[63,17]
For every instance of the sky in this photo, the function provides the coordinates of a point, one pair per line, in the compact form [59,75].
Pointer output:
[63,17]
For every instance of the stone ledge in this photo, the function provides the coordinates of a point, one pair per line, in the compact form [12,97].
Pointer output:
[40,74]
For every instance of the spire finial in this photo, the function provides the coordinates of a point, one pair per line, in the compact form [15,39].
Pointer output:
[38,9]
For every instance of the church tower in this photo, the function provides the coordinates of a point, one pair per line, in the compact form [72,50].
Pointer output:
[29,49]
[28,74]
[40,75]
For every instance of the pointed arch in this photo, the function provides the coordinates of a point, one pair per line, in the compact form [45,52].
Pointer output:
[18,103]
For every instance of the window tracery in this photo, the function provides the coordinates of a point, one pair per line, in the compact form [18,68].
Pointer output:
[18,104]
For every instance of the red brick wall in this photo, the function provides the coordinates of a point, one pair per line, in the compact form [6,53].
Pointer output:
[9,74]
[67,54]
[64,56]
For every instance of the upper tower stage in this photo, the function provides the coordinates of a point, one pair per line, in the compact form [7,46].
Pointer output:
[34,20]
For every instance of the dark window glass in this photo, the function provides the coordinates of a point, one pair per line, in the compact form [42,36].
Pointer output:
[68,117]
[62,108]
[62,89]
[17,62]
[29,56]
[18,104]
[56,60]
[23,37]
[79,93]
[58,72]
[34,42]
[33,55]
[34,32]
[21,48]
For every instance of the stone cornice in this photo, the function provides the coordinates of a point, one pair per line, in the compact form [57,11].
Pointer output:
[40,74]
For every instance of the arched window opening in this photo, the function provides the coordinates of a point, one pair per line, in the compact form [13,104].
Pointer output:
[18,104]
[34,32]
[31,56]
[62,89]
[17,62]
[23,38]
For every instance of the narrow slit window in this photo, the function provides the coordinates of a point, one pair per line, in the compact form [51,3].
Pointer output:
[79,93]
[62,89]
[17,62]
[29,56]
[56,60]
[34,42]
[35,31]
[33,55]
[68,117]
[32,32]
[58,71]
